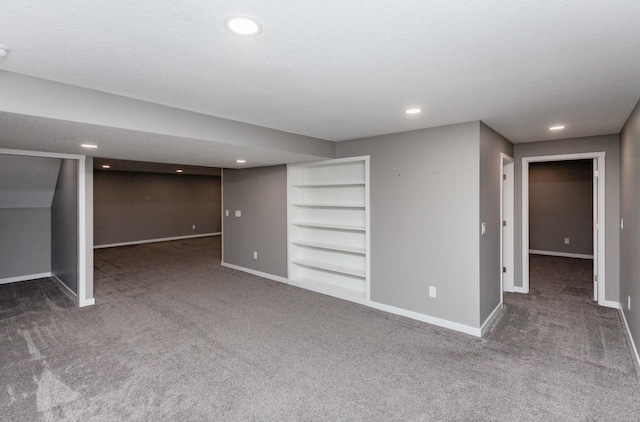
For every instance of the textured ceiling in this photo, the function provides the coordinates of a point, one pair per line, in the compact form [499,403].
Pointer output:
[340,70]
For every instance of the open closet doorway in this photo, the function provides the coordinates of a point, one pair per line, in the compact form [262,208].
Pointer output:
[550,238]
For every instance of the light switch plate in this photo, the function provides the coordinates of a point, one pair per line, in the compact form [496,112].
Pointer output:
[238,213]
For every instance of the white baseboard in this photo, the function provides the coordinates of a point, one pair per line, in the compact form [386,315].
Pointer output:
[86,302]
[65,289]
[24,278]
[380,306]
[162,239]
[562,254]
[518,289]
[633,343]
[257,273]
[489,321]
[609,304]
[426,318]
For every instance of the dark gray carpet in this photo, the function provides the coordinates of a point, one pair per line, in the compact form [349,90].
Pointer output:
[176,337]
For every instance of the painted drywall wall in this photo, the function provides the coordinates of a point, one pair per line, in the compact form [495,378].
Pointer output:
[561,206]
[64,226]
[630,234]
[25,242]
[260,195]
[492,145]
[424,219]
[132,206]
[606,143]
[27,182]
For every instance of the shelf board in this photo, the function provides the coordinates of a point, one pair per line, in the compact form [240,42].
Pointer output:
[330,226]
[330,185]
[332,289]
[330,267]
[327,205]
[329,247]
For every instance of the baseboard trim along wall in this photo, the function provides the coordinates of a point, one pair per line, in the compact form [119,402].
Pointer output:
[66,290]
[477,332]
[254,272]
[486,325]
[24,278]
[633,343]
[162,239]
[609,304]
[562,254]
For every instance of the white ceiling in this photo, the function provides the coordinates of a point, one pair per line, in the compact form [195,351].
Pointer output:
[340,70]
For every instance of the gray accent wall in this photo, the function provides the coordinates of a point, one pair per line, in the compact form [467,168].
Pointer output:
[492,145]
[630,234]
[132,206]
[260,194]
[64,226]
[605,143]
[561,206]
[25,241]
[424,219]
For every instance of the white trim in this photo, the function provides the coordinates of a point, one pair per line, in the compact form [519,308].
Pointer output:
[633,343]
[162,239]
[427,318]
[610,304]
[81,297]
[489,321]
[518,289]
[222,215]
[599,247]
[24,278]
[507,167]
[65,289]
[254,272]
[563,254]
[41,154]
[329,161]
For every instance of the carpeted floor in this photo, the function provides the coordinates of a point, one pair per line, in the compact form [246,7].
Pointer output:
[174,336]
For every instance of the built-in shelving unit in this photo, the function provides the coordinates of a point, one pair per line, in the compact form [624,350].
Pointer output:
[329,227]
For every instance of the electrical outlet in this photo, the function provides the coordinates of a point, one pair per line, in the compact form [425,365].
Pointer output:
[238,213]
[628,302]
[193,227]
[566,240]
[432,291]
[255,254]
[226,213]
[483,228]
[622,224]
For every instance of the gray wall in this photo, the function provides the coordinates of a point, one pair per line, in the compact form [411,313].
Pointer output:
[561,205]
[64,226]
[261,196]
[491,145]
[630,235]
[610,145]
[25,241]
[130,206]
[424,219]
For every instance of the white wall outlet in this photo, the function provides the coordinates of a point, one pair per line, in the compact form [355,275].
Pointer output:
[255,254]
[628,302]
[622,224]
[238,213]
[193,227]
[566,240]
[432,291]
[483,228]
[226,213]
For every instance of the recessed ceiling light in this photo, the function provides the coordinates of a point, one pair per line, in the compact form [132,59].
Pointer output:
[560,127]
[242,25]
[241,161]
[106,166]
[3,51]
[179,171]
[413,111]
[89,146]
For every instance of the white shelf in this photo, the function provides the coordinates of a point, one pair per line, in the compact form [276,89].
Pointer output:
[333,290]
[330,185]
[329,226]
[323,205]
[329,247]
[330,267]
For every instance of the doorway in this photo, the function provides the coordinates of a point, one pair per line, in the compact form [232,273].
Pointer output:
[598,191]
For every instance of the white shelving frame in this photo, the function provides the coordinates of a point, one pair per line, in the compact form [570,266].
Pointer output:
[328,227]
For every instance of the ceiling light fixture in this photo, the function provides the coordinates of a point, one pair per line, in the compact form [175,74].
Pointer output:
[241,161]
[89,146]
[106,166]
[560,127]
[413,111]
[179,171]
[242,25]
[3,51]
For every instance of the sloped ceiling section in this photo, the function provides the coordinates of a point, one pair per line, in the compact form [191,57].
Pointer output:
[27,182]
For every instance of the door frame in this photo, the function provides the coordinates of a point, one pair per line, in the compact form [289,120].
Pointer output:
[507,213]
[598,246]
